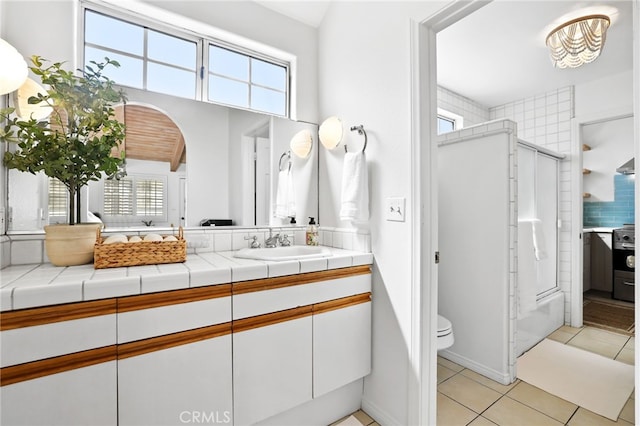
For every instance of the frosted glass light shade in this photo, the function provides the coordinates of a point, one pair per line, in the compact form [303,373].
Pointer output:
[13,68]
[330,132]
[24,109]
[301,143]
[578,41]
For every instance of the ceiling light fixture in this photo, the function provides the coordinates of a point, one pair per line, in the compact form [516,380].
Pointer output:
[578,41]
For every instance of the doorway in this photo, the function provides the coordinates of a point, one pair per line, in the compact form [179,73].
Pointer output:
[423,401]
[605,142]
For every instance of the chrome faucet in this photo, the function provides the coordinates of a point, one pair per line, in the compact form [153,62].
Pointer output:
[254,241]
[272,241]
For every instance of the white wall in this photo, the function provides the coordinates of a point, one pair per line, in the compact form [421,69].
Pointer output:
[475,277]
[604,95]
[364,78]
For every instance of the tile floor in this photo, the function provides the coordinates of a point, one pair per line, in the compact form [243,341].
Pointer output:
[467,398]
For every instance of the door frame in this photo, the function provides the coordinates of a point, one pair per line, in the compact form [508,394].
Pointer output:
[422,390]
[577,186]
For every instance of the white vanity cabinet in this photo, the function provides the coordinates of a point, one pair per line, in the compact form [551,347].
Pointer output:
[298,337]
[232,353]
[56,362]
[174,357]
[272,357]
[341,342]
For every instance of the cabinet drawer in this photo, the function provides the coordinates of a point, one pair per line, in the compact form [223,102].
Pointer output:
[146,316]
[34,334]
[624,286]
[277,297]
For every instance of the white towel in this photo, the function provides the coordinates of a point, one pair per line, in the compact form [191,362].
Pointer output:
[527,278]
[539,244]
[355,188]
[285,195]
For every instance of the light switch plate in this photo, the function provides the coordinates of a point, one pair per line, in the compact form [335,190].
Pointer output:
[395,209]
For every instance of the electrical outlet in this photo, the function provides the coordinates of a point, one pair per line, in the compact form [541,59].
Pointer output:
[395,209]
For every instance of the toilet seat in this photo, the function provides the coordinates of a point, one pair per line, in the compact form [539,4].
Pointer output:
[445,333]
[444,326]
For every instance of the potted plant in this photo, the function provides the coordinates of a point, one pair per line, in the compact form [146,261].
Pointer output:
[78,143]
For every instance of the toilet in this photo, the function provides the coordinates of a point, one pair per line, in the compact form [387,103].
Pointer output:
[445,333]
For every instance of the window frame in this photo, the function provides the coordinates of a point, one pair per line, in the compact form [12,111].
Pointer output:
[203,40]
[457,120]
[135,217]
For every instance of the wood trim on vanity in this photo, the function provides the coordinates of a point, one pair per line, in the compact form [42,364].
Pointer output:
[173,297]
[154,344]
[291,280]
[30,317]
[59,364]
[272,318]
[344,302]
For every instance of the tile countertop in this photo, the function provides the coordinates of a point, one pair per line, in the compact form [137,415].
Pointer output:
[599,229]
[28,286]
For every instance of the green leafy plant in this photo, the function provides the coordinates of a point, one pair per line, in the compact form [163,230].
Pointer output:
[75,144]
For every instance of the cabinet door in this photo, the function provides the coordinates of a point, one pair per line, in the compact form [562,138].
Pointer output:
[83,396]
[187,383]
[341,345]
[59,365]
[601,262]
[271,366]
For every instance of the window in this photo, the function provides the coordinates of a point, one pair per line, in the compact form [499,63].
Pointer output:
[149,59]
[58,201]
[118,197]
[448,121]
[445,125]
[240,80]
[135,198]
[186,65]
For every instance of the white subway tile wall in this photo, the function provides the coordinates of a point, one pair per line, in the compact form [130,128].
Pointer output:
[546,121]
[473,112]
[29,249]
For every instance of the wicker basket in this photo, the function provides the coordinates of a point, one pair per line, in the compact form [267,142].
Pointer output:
[139,253]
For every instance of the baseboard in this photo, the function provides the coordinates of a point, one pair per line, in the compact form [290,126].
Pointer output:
[378,414]
[497,376]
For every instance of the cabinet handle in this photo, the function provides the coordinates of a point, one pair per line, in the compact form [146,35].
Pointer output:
[628,283]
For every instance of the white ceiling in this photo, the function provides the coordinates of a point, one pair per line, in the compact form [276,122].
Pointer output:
[308,12]
[498,54]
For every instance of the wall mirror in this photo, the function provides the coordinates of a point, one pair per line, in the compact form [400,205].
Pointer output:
[187,162]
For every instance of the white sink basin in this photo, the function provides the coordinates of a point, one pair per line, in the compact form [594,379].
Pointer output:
[284,253]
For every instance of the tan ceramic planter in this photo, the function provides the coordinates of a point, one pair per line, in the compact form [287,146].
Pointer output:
[69,245]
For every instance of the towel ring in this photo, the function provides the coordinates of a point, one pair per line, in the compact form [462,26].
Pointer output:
[360,130]
[284,154]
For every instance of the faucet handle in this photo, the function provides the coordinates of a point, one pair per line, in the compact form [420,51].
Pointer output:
[254,241]
[284,240]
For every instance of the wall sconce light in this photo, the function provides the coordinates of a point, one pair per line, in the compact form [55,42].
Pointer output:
[330,132]
[578,41]
[301,143]
[24,109]
[13,68]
